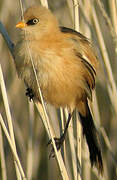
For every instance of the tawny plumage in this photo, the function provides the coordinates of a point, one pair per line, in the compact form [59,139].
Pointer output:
[65,64]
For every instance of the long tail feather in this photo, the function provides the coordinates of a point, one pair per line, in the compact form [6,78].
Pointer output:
[92,139]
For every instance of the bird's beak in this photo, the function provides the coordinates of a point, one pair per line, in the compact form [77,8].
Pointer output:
[21,25]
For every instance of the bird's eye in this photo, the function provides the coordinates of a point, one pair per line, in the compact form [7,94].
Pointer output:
[32,21]
[35,21]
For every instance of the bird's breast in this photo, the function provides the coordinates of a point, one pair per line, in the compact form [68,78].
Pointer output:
[58,74]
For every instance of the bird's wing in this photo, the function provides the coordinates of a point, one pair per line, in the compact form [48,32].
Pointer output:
[73,32]
[86,54]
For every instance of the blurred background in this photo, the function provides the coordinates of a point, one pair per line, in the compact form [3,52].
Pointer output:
[97,19]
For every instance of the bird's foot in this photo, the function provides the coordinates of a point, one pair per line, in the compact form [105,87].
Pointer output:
[58,142]
[29,93]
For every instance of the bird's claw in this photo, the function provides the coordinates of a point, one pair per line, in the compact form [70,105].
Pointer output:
[29,93]
[58,142]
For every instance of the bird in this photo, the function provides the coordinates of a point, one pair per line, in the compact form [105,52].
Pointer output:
[66,65]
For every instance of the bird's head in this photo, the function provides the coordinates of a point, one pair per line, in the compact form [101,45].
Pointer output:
[38,21]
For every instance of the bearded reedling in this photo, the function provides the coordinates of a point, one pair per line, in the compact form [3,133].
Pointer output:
[65,64]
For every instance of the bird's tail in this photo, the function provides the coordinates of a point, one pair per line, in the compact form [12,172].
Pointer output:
[92,138]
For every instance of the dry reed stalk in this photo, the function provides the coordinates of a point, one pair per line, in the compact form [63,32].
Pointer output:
[113,10]
[41,112]
[44,3]
[6,105]
[105,16]
[51,134]
[72,146]
[113,31]
[2,157]
[87,32]
[62,129]
[112,90]
[76,14]
[16,158]
[108,68]
[79,130]
[95,104]
[9,119]
[30,143]
[70,130]
[86,166]
[96,110]
[109,146]
[70,4]
[111,86]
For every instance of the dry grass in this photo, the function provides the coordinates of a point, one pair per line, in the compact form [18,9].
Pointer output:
[24,125]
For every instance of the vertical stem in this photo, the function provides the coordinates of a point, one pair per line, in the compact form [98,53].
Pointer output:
[79,135]
[30,142]
[112,85]
[87,32]
[44,3]
[72,144]
[76,27]
[76,14]
[70,4]
[3,165]
[113,14]
[62,128]
[9,119]
[16,158]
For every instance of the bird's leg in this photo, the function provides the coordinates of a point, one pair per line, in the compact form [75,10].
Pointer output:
[29,93]
[59,141]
